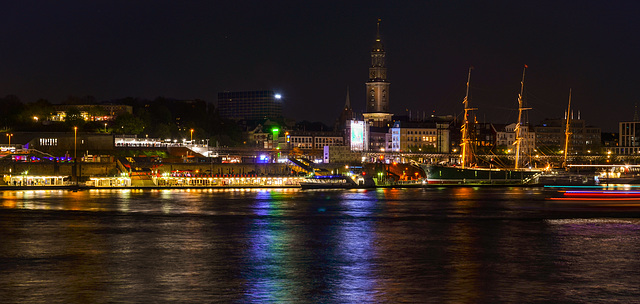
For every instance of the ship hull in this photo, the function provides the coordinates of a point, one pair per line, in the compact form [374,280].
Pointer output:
[444,175]
[336,182]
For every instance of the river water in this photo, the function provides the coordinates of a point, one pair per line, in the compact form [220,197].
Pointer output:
[432,245]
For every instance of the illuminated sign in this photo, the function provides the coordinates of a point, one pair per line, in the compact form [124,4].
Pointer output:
[359,136]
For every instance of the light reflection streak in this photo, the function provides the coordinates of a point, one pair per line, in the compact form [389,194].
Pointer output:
[268,276]
[356,250]
[607,197]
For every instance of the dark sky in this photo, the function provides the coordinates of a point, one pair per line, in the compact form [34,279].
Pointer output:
[311,51]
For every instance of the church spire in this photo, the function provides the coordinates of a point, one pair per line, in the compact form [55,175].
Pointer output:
[377,102]
[378,47]
[347,103]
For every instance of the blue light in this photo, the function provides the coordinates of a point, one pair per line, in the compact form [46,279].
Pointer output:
[278,96]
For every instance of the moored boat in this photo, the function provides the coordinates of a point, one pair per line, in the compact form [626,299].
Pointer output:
[337,182]
[561,178]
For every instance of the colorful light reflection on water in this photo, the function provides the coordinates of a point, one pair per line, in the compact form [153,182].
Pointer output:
[456,245]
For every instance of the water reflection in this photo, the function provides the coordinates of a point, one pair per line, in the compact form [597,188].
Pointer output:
[269,274]
[355,250]
[438,245]
[599,255]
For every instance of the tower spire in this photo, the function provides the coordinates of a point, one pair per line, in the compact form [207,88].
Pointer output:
[347,103]
[377,94]
[377,45]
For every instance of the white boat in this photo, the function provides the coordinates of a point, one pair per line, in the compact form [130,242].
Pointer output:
[337,182]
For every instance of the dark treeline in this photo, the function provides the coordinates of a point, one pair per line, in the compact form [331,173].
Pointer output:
[158,118]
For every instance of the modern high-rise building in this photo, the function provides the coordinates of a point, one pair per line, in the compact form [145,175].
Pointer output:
[377,113]
[250,105]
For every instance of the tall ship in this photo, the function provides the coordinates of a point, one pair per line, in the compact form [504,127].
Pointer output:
[467,172]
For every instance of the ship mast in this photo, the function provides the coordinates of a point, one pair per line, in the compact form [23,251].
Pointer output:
[518,130]
[466,141]
[567,133]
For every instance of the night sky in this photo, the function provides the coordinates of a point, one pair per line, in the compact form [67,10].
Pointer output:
[311,51]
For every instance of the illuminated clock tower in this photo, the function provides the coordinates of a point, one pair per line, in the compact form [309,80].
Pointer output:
[377,113]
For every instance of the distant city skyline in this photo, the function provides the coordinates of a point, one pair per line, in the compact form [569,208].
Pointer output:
[310,52]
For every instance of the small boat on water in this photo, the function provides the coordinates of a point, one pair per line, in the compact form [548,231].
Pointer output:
[337,182]
[466,173]
[619,174]
[589,175]
[564,178]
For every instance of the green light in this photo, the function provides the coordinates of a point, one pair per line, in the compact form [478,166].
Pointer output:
[275,130]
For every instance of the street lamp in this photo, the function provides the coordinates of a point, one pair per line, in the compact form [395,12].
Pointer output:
[105,127]
[75,142]
[191,136]
[9,135]
[75,153]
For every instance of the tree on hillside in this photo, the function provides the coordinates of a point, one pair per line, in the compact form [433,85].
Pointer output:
[128,124]
[96,111]
[74,118]
[11,107]
[36,112]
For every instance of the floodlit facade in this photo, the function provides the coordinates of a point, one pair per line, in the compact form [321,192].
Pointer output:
[507,137]
[418,137]
[313,140]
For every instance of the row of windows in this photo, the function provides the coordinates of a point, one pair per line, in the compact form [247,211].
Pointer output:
[422,132]
[316,145]
[421,138]
[317,140]
[48,141]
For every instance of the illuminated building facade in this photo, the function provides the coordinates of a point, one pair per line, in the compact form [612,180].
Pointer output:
[307,140]
[418,137]
[250,105]
[506,139]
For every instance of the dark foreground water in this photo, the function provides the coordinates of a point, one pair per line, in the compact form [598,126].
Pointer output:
[437,245]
